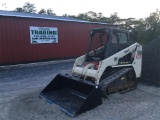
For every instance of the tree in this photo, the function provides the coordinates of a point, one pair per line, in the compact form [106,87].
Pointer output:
[28,7]
[82,16]
[144,30]
[42,11]
[99,15]
[19,9]
[113,18]
[50,12]
[152,25]
[96,17]
[65,15]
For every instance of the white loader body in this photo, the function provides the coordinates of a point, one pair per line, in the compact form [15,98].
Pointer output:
[88,71]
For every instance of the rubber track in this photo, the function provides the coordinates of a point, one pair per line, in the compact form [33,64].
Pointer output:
[105,82]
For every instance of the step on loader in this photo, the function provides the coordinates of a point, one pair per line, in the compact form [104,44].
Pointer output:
[110,65]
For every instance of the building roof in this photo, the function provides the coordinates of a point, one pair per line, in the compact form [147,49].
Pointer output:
[41,16]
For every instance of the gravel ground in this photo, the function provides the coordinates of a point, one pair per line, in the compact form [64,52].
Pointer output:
[19,89]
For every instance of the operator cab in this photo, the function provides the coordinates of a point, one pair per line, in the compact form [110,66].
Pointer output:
[104,42]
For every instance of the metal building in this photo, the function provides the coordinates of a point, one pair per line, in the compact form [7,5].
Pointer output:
[29,37]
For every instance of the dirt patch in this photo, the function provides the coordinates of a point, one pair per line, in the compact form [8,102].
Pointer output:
[139,104]
[32,107]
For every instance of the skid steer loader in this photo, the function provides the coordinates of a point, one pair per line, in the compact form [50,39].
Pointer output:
[110,65]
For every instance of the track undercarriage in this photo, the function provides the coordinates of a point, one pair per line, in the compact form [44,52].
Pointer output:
[121,81]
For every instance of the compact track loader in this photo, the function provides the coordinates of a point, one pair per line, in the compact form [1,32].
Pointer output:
[111,65]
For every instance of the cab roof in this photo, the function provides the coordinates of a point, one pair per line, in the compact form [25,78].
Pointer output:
[108,28]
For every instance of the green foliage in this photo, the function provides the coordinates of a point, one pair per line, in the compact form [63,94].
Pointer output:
[19,9]
[95,17]
[28,7]
[153,25]
[143,30]
[147,29]
[42,11]
[47,12]
[50,12]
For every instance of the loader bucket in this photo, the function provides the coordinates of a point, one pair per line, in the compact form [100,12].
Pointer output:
[72,95]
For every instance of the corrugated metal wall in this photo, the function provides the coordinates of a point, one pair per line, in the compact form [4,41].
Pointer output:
[15,46]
